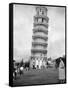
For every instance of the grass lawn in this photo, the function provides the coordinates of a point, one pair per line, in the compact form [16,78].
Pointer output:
[35,77]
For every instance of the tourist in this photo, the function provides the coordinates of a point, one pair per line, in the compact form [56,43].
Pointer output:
[61,72]
[21,70]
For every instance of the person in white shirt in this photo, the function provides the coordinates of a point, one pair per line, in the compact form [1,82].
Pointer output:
[21,70]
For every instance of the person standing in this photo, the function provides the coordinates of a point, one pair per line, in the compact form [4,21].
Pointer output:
[61,72]
[21,70]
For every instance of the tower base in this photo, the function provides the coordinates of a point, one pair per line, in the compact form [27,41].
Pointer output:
[38,62]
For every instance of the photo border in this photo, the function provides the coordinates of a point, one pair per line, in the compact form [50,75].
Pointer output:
[11,40]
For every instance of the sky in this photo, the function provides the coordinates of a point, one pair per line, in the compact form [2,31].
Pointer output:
[23,31]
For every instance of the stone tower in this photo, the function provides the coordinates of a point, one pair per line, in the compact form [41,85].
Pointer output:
[40,36]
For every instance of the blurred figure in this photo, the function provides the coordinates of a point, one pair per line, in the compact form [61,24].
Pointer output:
[57,62]
[15,74]
[21,70]
[61,72]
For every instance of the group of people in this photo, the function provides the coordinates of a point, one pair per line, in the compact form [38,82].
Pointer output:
[18,70]
[38,63]
[60,65]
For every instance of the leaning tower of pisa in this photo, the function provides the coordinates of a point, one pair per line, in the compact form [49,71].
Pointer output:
[40,36]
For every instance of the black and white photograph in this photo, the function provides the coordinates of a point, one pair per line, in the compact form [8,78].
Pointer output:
[39,45]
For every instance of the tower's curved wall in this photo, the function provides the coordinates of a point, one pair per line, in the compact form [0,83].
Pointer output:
[40,34]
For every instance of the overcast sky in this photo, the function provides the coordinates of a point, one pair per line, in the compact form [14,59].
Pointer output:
[22,31]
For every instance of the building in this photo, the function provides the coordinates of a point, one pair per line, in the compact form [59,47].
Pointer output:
[40,38]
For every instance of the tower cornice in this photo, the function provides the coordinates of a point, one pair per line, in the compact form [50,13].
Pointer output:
[39,44]
[39,37]
[39,51]
[40,30]
[40,23]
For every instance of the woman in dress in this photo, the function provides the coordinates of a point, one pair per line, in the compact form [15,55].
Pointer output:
[61,72]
